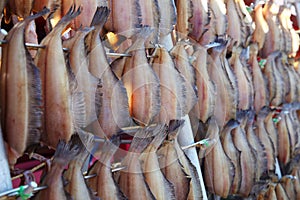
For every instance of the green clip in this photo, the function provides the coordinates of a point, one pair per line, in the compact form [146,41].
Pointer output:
[275,120]
[23,195]
[206,143]
[249,9]
[262,63]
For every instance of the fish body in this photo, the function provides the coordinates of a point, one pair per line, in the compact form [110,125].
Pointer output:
[20,93]
[261,26]
[58,118]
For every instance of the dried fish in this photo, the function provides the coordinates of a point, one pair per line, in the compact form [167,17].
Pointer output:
[261,26]
[76,186]
[61,101]
[20,8]
[65,152]
[219,11]
[287,184]
[167,16]
[280,192]
[20,93]
[111,98]
[124,21]
[104,183]
[184,14]
[170,164]
[140,81]
[131,180]
[157,182]
[259,83]
[218,169]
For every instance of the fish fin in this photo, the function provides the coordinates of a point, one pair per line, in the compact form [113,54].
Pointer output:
[173,128]
[65,152]
[117,66]
[66,19]
[98,96]
[140,38]
[160,135]
[109,148]
[35,111]
[141,140]
[100,17]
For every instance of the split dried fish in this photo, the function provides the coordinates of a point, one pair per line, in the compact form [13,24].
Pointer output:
[131,180]
[259,83]
[140,81]
[204,108]
[184,14]
[157,182]
[261,26]
[218,168]
[167,16]
[77,186]
[280,192]
[218,9]
[170,164]
[104,183]
[21,94]
[60,100]
[65,152]
[111,98]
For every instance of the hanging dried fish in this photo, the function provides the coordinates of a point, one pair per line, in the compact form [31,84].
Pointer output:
[111,100]
[78,62]
[167,16]
[280,192]
[261,26]
[184,14]
[63,106]
[226,89]
[131,180]
[172,87]
[182,64]
[259,83]
[77,186]
[170,164]
[21,94]
[245,90]
[218,169]
[65,152]
[287,184]
[21,8]
[104,183]
[124,21]
[140,81]
[219,11]
[157,182]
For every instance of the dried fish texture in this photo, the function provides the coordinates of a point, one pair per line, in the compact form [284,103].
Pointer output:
[264,137]
[77,186]
[247,160]
[141,82]
[258,148]
[206,93]
[65,152]
[199,22]
[219,11]
[60,99]
[274,80]
[259,82]
[172,87]
[170,164]
[233,154]
[261,26]
[104,183]
[184,14]
[167,16]
[234,30]
[280,192]
[124,21]
[157,182]
[287,184]
[182,64]
[284,15]
[111,97]
[272,41]
[50,4]
[218,168]
[226,89]
[271,129]
[131,180]
[20,93]
[78,62]
[244,86]
[270,193]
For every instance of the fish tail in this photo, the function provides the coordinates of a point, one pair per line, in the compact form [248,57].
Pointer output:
[141,140]
[65,20]
[100,17]
[173,128]
[65,152]
[160,133]
[37,15]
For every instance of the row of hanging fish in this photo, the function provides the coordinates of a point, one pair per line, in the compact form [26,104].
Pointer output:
[155,167]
